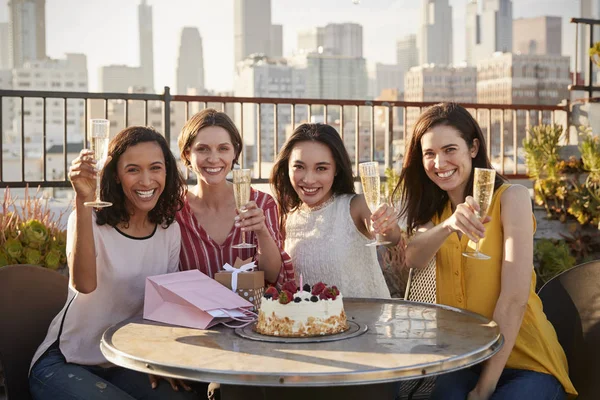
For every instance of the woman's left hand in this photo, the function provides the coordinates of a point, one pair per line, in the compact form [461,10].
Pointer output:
[252,220]
[480,394]
[385,218]
[175,383]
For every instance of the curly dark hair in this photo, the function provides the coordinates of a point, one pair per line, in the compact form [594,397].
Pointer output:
[343,182]
[170,200]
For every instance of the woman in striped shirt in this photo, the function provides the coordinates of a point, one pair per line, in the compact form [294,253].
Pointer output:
[210,145]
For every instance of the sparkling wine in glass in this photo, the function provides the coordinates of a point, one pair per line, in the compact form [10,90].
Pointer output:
[99,138]
[241,192]
[483,190]
[369,176]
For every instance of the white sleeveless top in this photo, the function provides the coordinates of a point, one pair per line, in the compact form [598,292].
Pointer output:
[326,246]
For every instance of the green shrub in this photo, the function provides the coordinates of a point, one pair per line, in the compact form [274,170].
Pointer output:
[552,257]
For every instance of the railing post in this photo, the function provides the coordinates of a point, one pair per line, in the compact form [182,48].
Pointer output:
[569,112]
[167,114]
[389,140]
[1,137]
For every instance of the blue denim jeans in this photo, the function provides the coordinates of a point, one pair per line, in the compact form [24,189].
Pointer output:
[513,384]
[53,378]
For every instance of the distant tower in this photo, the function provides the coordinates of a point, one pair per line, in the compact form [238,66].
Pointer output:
[407,54]
[251,28]
[344,39]
[435,40]
[489,31]
[28,30]
[146,45]
[190,63]
[276,41]
[5,46]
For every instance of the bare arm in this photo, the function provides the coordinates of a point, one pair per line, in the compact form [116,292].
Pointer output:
[82,257]
[517,267]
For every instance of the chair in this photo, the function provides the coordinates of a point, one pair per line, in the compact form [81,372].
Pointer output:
[420,287]
[572,304]
[30,297]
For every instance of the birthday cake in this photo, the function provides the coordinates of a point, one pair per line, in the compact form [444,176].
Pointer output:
[301,312]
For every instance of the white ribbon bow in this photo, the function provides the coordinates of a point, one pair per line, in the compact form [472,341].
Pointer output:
[235,271]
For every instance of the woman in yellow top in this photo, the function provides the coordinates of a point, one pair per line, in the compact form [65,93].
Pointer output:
[446,145]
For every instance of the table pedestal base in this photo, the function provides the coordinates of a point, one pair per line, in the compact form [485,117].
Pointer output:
[384,391]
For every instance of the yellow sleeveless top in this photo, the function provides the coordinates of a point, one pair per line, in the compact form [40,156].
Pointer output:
[475,285]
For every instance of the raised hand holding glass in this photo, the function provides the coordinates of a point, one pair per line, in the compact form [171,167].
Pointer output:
[369,176]
[98,139]
[483,190]
[241,192]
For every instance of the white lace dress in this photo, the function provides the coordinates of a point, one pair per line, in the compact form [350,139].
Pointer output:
[326,246]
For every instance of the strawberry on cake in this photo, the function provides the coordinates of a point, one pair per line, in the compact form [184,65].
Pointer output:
[301,312]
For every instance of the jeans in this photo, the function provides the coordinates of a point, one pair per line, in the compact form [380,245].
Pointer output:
[52,377]
[513,384]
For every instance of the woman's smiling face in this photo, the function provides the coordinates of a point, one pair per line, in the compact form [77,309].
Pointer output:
[312,172]
[211,155]
[447,159]
[142,173]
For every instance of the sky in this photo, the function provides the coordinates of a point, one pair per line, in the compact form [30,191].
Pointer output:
[107,30]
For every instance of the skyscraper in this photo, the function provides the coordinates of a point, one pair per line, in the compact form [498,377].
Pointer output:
[261,76]
[190,63]
[5,55]
[435,35]
[276,41]
[489,31]
[251,28]
[539,35]
[343,40]
[146,45]
[472,31]
[311,39]
[28,30]
[407,54]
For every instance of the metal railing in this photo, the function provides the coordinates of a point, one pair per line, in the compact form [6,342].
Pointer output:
[588,85]
[505,125]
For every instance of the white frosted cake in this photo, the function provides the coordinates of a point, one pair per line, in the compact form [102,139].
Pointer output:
[301,312]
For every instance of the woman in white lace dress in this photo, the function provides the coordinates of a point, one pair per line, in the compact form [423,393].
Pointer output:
[323,220]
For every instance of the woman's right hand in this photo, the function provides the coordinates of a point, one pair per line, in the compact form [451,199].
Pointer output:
[82,175]
[466,221]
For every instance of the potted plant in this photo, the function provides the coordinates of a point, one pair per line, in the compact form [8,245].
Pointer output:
[30,233]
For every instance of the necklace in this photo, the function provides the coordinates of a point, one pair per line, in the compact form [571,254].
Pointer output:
[324,204]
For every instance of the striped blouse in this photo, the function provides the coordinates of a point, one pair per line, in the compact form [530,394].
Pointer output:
[199,250]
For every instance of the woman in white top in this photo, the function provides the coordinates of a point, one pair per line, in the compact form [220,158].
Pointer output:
[110,253]
[324,221]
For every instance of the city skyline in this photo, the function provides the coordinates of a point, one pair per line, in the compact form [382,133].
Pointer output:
[114,40]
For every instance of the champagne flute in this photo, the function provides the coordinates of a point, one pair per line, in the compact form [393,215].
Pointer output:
[99,138]
[369,176]
[483,190]
[241,192]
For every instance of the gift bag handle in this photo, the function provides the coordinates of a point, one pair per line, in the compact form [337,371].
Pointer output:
[245,321]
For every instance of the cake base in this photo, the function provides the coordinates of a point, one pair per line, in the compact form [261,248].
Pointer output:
[354,329]
[285,327]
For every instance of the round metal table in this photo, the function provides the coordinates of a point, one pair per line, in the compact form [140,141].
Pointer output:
[405,340]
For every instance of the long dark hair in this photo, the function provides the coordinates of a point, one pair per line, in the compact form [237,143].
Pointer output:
[170,200]
[343,182]
[421,198]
